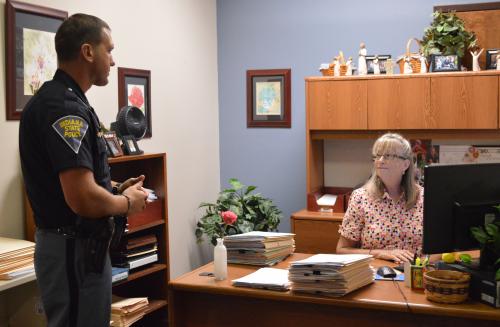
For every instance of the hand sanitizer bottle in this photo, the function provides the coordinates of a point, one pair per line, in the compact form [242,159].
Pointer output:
[220,260]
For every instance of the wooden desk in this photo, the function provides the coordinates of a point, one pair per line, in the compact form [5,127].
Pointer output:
[201,301]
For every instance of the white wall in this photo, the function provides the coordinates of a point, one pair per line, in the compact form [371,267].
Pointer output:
[177,41]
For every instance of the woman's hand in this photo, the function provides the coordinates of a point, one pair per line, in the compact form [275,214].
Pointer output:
[395,255]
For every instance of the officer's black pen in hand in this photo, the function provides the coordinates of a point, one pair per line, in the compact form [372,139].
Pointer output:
[137,197]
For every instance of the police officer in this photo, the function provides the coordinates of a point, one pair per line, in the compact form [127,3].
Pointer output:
[67,179]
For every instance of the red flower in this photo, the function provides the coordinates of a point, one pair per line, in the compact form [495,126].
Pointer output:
[228,217]
[136,98]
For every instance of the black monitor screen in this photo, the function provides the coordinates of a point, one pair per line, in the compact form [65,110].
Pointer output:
[457,197]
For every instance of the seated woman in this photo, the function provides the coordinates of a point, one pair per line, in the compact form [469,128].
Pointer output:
[384,217]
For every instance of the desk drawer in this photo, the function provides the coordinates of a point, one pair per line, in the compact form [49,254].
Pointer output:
[315,236]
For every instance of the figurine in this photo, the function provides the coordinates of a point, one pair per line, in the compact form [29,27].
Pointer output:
[376,67]
[407,66]
[389,68]
[423,63]
[336,68]
[475,59]
[362,60]
[349,66]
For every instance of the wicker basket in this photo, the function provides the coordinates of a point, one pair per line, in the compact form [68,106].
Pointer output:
[446,286]
[414,58]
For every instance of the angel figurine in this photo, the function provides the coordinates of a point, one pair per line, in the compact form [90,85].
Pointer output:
[475,59]
[336,67]
[423,63]
[362,59]
[376,66]
[407,66]
[349,66]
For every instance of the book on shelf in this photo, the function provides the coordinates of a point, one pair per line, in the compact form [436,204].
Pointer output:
[118,274]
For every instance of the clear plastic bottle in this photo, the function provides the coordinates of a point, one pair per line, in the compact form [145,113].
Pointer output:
[220,260]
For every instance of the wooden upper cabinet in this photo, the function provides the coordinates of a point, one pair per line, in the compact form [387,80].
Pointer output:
[400,103]
[465,102]
[337,105]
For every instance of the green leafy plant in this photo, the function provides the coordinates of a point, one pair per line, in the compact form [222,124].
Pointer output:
[447,36]
[489,238]
[253,211]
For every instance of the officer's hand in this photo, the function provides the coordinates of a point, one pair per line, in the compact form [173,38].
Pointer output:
[137,197]
[129,182]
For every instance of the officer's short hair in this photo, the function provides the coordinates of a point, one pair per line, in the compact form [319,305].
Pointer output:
[75,31]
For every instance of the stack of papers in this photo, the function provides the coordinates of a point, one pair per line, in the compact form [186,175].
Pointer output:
[16,258]
[266,278]
[125,312]
[331,274]
[259,248]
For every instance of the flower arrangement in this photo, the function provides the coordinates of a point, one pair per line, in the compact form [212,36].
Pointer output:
[237,210]
[447,36]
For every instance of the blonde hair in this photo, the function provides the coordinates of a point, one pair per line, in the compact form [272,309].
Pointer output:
[389,143]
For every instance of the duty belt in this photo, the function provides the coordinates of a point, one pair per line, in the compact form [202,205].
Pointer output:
[64,231]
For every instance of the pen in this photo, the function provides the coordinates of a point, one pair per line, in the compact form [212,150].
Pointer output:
[414,258]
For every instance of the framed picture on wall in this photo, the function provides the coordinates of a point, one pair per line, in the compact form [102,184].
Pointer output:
[268,98]
[29,51]
[134,89]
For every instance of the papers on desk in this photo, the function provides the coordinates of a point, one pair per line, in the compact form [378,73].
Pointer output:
[266,278]
[16,258]
[259,248]
[331,274]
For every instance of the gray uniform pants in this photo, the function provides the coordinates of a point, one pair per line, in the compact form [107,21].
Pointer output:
[70,297]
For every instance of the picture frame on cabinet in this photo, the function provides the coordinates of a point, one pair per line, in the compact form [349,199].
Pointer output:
[31,57]
[113,145]
[130,145]
[134,89]
[445,63]
[491,58]
[382,59]
[269,98]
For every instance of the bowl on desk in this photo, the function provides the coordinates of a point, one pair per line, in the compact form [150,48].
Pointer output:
[446,286]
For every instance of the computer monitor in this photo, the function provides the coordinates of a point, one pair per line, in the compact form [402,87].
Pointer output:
[457,197]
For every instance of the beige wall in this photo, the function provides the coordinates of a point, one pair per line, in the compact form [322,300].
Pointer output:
[177,41]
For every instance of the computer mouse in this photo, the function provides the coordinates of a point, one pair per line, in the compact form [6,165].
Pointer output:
[386,272]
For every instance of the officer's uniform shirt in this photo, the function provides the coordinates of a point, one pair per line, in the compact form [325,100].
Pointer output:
[59,130]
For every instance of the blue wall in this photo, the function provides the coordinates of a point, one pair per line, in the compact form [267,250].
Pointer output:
[296,34]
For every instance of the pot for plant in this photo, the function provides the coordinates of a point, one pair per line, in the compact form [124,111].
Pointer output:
[487,259]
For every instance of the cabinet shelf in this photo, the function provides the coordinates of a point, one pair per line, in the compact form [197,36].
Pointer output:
[146,226]
[155,305]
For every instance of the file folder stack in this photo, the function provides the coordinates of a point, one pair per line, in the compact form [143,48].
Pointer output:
[259,248]
[125,312]
[331,274]
[16,258]
[266,278]
[136,252]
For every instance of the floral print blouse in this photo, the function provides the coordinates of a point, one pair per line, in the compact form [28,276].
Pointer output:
[383,223]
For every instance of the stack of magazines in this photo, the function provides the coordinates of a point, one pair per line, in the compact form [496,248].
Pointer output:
[16,258]
[331,274]
[126,311]
[259,248]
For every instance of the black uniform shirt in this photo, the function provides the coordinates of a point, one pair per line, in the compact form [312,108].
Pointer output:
[58,131]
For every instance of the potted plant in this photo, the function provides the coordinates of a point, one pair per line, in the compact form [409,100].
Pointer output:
[447,36]
[237,210]
[489,238]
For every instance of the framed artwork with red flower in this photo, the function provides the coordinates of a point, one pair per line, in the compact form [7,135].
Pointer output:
[30,51]
[134,89]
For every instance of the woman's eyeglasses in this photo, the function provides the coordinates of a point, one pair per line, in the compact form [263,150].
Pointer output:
[388,156]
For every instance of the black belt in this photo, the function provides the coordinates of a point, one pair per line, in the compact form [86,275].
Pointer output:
[64,231]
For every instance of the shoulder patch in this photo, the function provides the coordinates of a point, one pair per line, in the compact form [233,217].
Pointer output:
[72,129]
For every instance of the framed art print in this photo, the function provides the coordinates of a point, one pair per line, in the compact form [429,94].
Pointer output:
[134,89]
[491,58]
[268,98]
[30,51]
[382,59]
[113,144]
[445,63]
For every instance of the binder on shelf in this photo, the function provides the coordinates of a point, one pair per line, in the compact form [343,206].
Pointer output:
[329,199]
[118,274]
